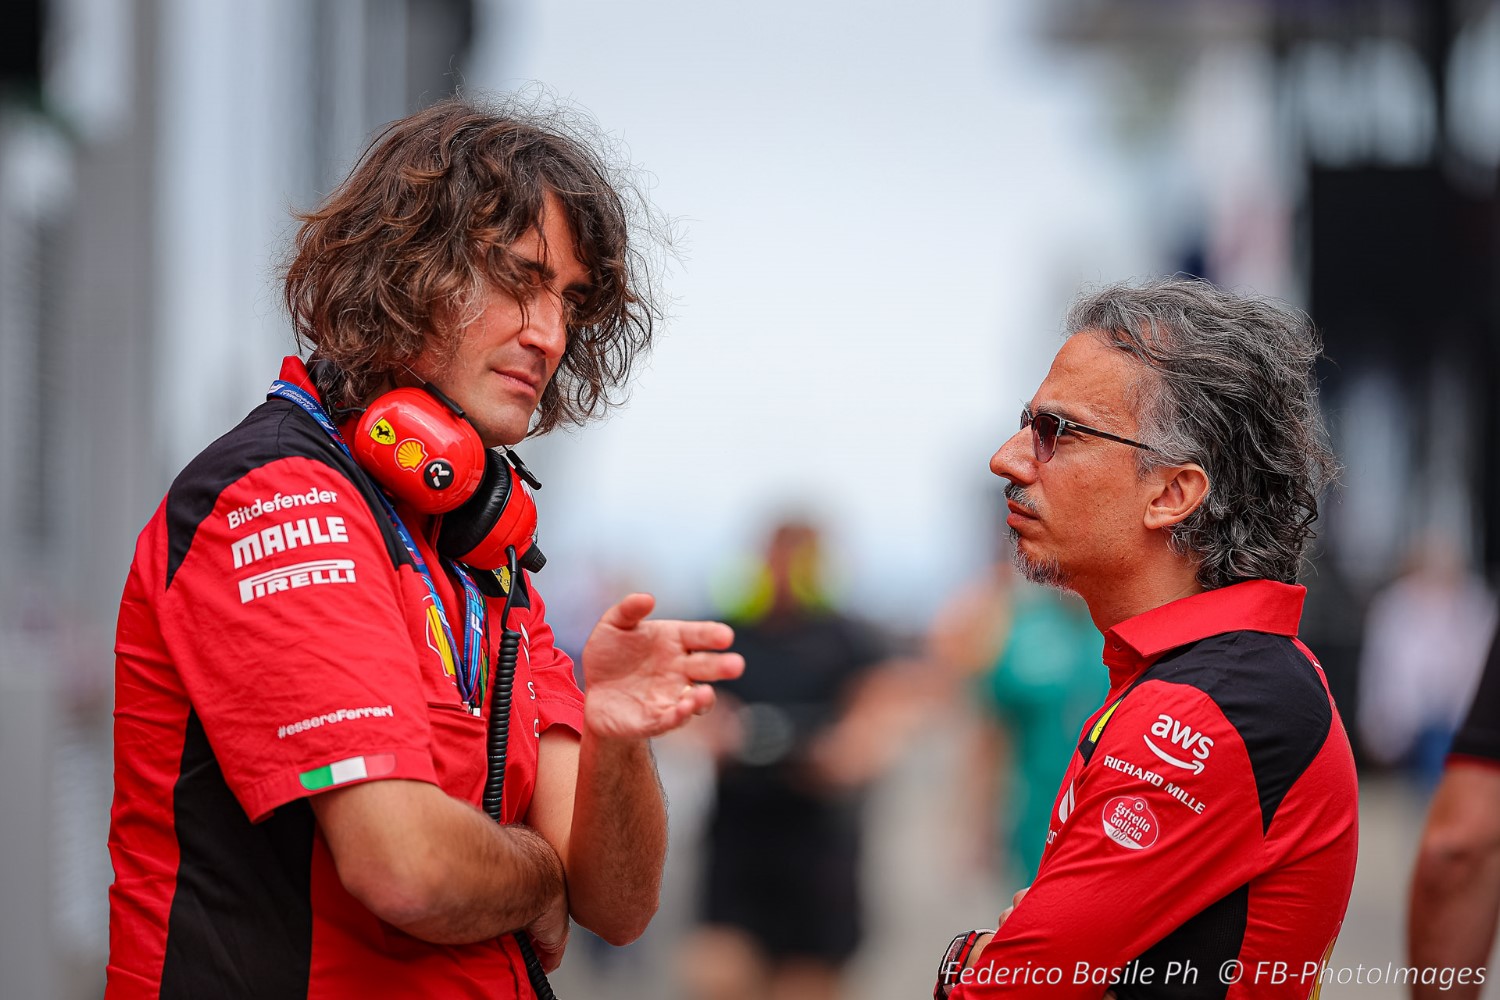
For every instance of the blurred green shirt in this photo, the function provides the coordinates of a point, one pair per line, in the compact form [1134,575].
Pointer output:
[1048,678]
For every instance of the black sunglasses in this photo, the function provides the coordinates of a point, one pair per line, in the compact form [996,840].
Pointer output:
[1047,427]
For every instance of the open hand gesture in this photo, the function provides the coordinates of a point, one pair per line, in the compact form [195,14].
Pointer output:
[644,678]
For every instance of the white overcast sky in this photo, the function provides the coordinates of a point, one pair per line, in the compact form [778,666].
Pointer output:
[885,209]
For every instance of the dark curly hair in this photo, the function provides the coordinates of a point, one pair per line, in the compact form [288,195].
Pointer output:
[1233,390]
[394,261]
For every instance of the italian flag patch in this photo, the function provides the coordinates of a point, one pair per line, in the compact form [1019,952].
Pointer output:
[353,769]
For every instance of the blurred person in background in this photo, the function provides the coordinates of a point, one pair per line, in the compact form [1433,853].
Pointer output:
[816,717]
[1455,892]
[1424,643]
[1030,658]
[1167,471]
[310,640]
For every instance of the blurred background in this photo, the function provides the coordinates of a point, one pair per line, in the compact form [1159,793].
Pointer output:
[883,210]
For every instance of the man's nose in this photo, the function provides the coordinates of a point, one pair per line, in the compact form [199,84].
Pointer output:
[546,325]
[1016,459]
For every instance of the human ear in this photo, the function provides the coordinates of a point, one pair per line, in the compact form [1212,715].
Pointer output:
[1183,490]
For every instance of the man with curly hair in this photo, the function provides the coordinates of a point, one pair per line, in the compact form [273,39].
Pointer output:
[1203,841]
[305,680]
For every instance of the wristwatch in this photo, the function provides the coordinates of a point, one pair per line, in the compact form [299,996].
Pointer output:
[957,956]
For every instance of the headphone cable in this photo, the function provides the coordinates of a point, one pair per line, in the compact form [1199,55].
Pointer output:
[499,734]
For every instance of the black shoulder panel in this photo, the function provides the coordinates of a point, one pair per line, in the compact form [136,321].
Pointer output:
[275,429]
[241,917]
[1270,693]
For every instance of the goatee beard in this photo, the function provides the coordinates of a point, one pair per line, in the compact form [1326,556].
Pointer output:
[1047,572]
[1044,572]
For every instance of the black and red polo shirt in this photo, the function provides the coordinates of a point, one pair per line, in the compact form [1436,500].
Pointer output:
[274,641]
[1204,838]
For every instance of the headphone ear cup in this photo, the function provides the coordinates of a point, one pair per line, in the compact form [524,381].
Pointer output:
[466,527]
[500,515]
[419,450]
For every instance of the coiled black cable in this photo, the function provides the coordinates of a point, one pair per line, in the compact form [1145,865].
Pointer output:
[499,735]
[499,730]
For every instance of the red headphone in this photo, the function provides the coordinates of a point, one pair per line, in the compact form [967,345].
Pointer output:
[419,446]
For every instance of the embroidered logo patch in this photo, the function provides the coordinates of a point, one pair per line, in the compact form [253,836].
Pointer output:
[1129,822]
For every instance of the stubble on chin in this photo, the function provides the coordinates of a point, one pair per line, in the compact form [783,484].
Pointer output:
[1043,572]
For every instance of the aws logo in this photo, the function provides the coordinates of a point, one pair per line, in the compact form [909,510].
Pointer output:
[1176,735]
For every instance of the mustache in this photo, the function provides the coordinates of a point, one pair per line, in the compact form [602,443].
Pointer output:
[1017,495]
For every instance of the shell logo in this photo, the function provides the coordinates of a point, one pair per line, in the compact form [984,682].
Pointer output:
[410,454]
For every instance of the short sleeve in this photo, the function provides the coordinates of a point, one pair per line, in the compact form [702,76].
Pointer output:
[559,701]
[1161,825]
[284,618]
[1479,738]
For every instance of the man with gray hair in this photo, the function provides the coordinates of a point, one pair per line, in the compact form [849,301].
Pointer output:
[1204,837]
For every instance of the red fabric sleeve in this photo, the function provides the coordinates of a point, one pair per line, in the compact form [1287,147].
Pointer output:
[1132,861]
[287,628]
[559,701]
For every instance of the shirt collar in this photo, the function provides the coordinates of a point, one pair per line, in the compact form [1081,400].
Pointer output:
[295,372]
[1252,606]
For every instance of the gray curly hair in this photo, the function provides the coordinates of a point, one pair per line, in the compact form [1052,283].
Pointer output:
[1234,392]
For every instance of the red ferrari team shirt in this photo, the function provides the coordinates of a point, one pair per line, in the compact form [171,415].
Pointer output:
[275,640]
[1204,838]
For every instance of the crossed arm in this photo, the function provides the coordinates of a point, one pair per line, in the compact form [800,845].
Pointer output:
[595,837]
[433,866]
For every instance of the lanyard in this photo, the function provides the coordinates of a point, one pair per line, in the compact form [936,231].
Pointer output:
[471,669]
